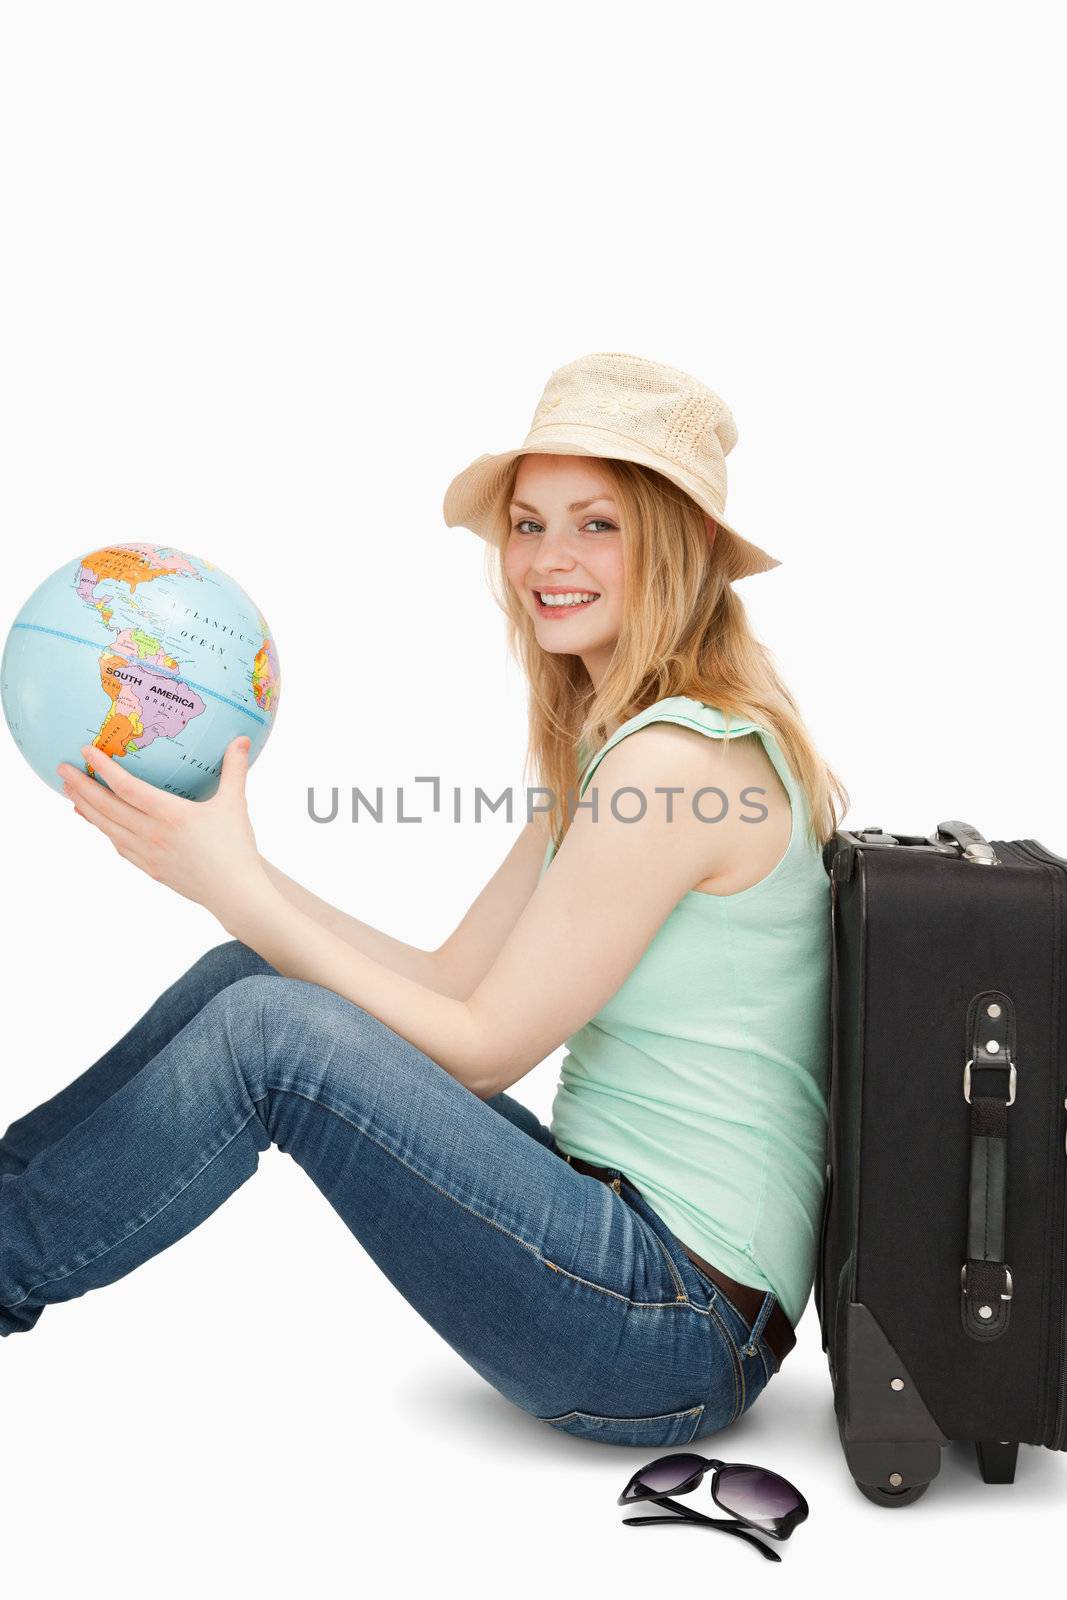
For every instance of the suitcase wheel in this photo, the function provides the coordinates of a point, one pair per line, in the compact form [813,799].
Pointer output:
[892,1472]
[892,1497]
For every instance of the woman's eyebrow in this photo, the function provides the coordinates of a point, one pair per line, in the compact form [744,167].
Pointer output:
[578,505]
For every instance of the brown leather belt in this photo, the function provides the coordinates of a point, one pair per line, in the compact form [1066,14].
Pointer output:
[745,1297]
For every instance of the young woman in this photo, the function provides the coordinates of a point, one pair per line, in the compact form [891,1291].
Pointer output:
[633,1273]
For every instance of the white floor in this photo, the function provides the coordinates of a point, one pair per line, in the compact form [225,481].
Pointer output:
[258,1410]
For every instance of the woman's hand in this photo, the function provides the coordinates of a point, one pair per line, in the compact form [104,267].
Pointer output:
[202,849]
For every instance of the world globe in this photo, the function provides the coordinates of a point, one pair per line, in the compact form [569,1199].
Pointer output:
[147,653]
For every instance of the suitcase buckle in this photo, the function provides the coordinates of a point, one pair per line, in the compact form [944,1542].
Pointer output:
[1008,1062]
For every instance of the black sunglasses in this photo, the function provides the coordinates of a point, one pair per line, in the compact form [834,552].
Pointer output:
[756,1498]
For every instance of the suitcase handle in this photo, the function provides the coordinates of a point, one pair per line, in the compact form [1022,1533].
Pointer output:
[989,1083]
[972,846]
[960,840]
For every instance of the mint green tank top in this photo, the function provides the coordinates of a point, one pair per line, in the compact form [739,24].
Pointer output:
[704,1077]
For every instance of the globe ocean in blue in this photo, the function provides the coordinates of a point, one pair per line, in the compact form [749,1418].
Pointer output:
[152,655]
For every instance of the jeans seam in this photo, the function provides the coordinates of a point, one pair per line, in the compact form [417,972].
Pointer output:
[682,1291]
[761,1346]
[603,1416]
[654,1305]
[80,1267]
[735,1361]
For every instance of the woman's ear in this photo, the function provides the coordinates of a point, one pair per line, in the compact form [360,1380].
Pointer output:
[713,528]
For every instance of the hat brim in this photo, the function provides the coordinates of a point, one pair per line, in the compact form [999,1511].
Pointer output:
[472,492]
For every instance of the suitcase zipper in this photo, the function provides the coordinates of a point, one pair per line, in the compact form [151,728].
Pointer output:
[1033,850]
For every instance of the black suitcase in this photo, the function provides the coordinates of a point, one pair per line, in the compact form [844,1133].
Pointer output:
[940,1277]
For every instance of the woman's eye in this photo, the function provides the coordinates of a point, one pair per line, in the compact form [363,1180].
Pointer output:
[528,521]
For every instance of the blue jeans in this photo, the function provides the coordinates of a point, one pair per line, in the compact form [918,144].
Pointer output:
[578,1304]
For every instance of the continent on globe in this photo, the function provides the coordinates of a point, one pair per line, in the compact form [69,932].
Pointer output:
[131,564]
[137,645]
[265,673]
[144,706]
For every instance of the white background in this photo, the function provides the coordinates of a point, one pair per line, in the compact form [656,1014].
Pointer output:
[272,274]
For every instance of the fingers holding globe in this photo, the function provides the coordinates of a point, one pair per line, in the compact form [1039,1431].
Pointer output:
[150,655]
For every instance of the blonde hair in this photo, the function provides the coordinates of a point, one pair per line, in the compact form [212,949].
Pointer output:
[685,631]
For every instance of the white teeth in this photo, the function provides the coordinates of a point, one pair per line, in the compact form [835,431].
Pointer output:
[571,599]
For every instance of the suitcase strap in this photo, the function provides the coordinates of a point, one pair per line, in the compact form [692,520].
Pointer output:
[989,1080]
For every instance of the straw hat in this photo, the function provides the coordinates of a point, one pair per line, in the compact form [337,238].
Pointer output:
[627,409]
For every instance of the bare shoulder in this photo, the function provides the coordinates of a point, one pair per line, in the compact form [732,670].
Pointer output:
[744,826]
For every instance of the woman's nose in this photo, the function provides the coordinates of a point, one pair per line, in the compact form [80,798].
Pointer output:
[553,552]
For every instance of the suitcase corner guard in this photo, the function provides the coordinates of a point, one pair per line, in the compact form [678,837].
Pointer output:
[891,1442]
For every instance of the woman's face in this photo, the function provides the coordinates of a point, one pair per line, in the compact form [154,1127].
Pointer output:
[566,541]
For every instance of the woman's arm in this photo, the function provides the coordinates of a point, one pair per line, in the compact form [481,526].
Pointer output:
[473,946]
[424,966]
[458,965]
[584,929]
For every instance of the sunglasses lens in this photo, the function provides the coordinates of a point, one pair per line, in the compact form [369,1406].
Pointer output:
[755,1494]
[667,1475]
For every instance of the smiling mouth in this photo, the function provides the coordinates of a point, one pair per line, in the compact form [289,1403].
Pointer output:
[560,606]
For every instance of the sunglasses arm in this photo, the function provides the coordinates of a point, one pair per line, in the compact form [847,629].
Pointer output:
[725,1523]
